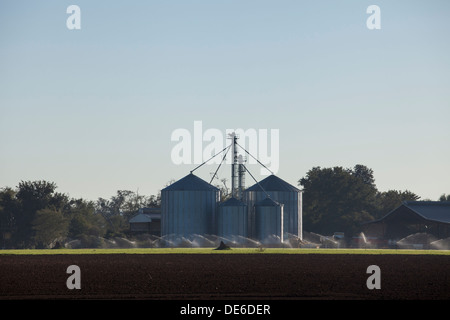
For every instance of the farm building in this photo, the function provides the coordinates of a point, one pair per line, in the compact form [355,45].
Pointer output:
[412,217]
[147,220]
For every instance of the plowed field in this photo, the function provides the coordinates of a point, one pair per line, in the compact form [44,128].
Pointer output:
[225,276]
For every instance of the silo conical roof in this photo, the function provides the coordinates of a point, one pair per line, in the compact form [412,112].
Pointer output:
[190,182]
[273,183]
[267,202]
[232,202]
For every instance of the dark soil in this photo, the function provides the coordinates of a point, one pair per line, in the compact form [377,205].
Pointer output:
[225,276]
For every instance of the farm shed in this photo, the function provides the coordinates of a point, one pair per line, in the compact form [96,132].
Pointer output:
[431,217]
[147,220]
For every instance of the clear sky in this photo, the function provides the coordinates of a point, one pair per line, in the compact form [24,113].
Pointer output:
[93,110]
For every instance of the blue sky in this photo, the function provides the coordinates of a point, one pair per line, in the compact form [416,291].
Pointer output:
[93,109]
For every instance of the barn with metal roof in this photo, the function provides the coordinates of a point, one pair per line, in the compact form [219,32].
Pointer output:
[147,220]
[431,217]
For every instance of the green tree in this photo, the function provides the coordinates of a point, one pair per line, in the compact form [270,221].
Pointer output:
[337,199]
[33,196]
[117,226]
[9,207]
[84,220]
[49,226]
[153,201]
[125,202]
[364,173]
[391,199]
[121,207]
[444,197]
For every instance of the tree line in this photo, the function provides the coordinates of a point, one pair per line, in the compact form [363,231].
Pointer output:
[340,199]
[35,215]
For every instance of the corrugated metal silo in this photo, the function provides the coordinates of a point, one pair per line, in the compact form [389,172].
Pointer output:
[232,219]
[189,207]
[281,192]
[268,221]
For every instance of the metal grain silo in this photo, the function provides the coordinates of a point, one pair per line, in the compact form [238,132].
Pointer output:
[268,221]
[189,207]
[232,219]
[283,193]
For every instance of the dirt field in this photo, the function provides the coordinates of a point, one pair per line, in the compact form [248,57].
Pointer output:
[220,276]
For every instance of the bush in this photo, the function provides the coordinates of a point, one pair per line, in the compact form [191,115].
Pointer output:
[94,242]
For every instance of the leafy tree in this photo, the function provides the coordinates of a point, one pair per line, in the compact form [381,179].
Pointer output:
[84,220]
[125,202]
[391,199]
[33,196]
[337,199]
[49,225]
[34,214]
[9,206]
[153,201]
[364,173]
[117,226]
[123,206]
[444,197]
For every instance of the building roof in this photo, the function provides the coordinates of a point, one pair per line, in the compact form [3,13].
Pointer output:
[140,218]
[431,210]
[273,183]
[436,211]
[190,182]
[146,215]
